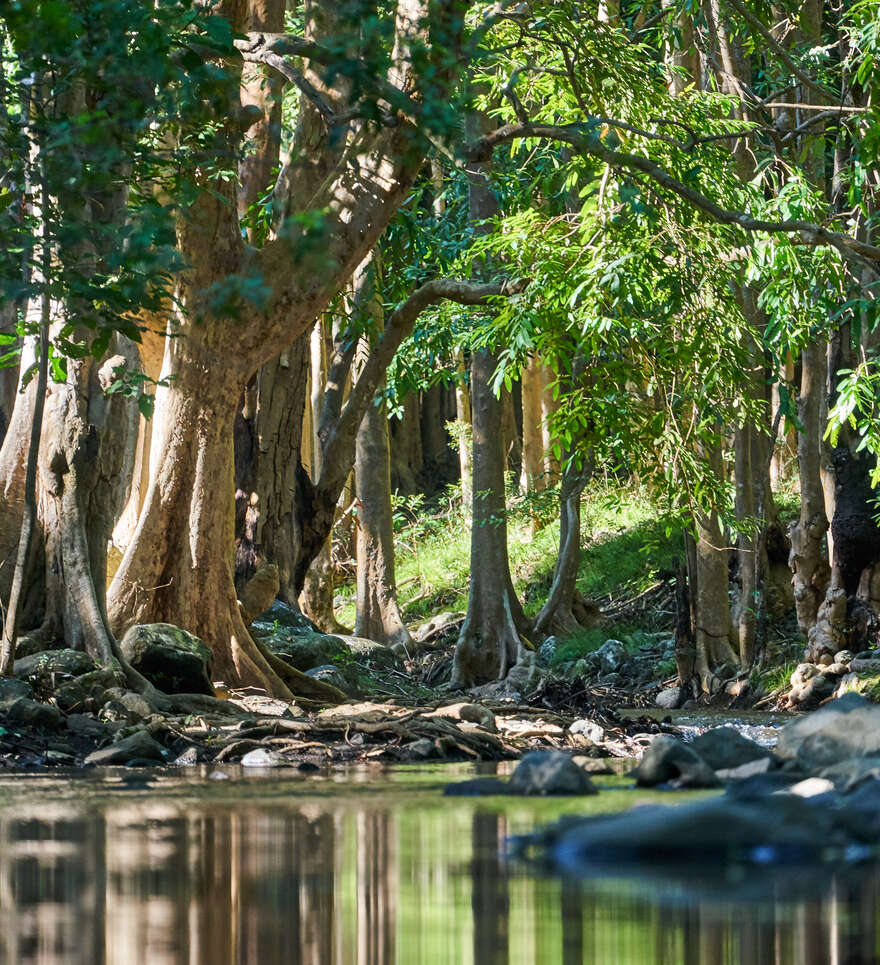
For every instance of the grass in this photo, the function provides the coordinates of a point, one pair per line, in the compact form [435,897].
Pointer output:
[625,547]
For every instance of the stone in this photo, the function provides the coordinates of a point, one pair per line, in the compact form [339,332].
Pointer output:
[849,774]
[812,787]
[48,669]
[592,765]
[870,665]
[802,673]
[825,659]
[86,692]
[669,698]
[420,749]
[189,758]
[442,625]
[668,760]
[549,773]
[724,748]
[478,787]
[84,725]
[611,656]
[260,757]
[472,713]
[305,651]
[135,707]
[744,771]
[12,689]
[329,674]
[814,691]
[844,728]
[32,714]
[173,660]
[523,677]
[843,656]
[280,616]
[138,746]
[589,729]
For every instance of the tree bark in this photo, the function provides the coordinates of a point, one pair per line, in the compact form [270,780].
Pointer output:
[378,612]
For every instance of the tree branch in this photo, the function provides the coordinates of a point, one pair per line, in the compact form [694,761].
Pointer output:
[809,232]
[398,327]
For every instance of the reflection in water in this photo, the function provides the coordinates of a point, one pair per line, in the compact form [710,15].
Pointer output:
[370,879]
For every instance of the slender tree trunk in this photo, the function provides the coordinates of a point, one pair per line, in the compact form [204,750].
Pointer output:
[532,478]
[378,613]
[407,459]
[463,432]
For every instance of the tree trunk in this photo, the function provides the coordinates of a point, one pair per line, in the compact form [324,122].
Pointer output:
[463,433]
[532,478]
[407,459]
[811,573]
[378,613]
[178,568]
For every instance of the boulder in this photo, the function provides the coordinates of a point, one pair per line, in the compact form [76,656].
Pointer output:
[725,748]
[280,616]
[589,729]
[546,651]
[849,774]
[668,760]
[260,757]
[869,665]
[11,689]
[845,728]
[844,656]
[669,698]
[48,669]
[173,660]
[329,674]
[611,656]
[549,773]
[304,651]
[86,692]
[137,747]
[126,705]
[33,714]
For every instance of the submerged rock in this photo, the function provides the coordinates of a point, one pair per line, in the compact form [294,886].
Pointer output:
[173,660]
[477,787]
[668,760]
[549,773]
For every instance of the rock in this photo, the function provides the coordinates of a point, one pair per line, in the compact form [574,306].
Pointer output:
[713,834]
[865,665]
[669,698]
[825,659]
[849,774]
[611,656]
[329,674]
[608,679]
[523,676]
[860,813]
[189,758]
[420,749]
[590,729]
[549,772]
[261,758]
[84,725]
[472,713]
[48,669]
[280,616]
[812,787]
[439,626]
[843,656]
[845,728]
[128,706]
[745,771]
[725,748]
[369,653]
[32,714]
[86,693]
[138,746]
[218,776]
[305,651]
[173,660]
[591,765]
[478,787]
[259,592]
[12,689]
[668,760]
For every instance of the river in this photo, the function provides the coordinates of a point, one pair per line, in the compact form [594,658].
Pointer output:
[365,866]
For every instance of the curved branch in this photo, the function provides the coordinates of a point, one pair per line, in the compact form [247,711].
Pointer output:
[340,441]
[809,232]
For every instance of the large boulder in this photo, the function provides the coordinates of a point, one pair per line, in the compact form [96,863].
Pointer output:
[281,617]
[86,692]
[845,728]
[174,661]
[668,760]
[611,656]
[724,748]
[549,773]
[304,651]
[48,669]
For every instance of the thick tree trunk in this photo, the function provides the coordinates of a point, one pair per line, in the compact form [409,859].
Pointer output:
[811,573]
[489,643]
[178,568]
[378,613]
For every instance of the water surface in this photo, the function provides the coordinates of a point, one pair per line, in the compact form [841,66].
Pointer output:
[370,866]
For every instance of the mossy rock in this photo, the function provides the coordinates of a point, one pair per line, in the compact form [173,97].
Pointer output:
[49,669]
[173,660]
[303,651]
[281,618]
